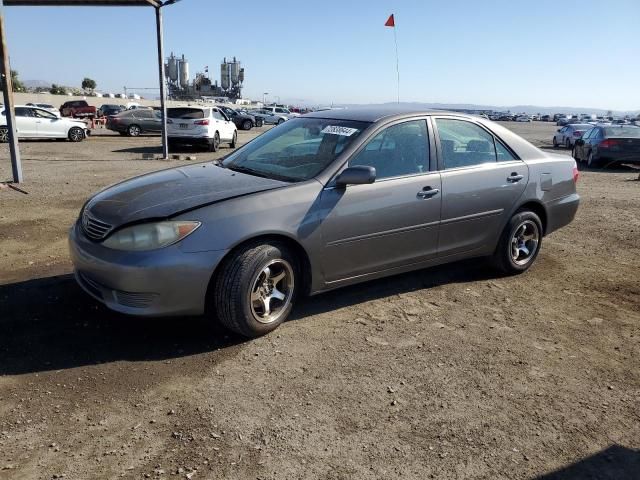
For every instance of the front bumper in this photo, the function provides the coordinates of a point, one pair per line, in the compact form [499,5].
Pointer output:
[160,282]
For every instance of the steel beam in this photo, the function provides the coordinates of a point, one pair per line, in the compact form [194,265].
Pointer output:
[163,84]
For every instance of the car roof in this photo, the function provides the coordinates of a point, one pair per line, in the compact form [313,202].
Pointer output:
[579,125]
[374,113]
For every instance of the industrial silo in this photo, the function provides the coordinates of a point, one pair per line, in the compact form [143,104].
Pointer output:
[184,72]
[173,68]
[224,75]
[235,72]
[241,76]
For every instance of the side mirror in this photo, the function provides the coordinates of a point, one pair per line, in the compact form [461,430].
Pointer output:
[358,175]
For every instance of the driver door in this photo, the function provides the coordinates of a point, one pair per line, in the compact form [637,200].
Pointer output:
[48,125]
[392,222]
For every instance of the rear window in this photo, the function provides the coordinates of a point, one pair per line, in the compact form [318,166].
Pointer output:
[581,126]
[622,132]
[186,113]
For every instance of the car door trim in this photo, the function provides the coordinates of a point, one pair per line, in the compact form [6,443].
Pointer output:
[384,233]
[473,216]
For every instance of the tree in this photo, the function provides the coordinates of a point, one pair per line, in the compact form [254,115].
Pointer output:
[15,81]
[88,84]
[58,90]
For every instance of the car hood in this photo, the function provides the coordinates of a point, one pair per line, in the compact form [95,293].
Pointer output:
[166,193]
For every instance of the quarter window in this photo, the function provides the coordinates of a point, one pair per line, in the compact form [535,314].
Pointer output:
[217,115]
[397,151]
[465,144]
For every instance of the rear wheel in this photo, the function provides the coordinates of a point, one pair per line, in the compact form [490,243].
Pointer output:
[555,142]
[4,135]
[247,125]
[592,162]
[255,289]
[234,140]
[134,130]
[215,143]
[567,144]
[76,134]
[280,121]
[520,243]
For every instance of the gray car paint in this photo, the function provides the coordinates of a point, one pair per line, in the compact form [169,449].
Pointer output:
[344,235]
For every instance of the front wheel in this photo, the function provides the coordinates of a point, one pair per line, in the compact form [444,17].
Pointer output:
[76,134]
[555,142]
[4,135]
[255,289]
[280,121]
[567,144]
[247,125]
[234,140]
[520,243]
[591,161]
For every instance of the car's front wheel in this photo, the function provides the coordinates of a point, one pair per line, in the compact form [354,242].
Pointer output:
[214,143]
[555,142]
[4,135]
[591,161]
[280,121]
[76,134]
[567,144]
[247,125]
[520,243]
[255,288]
[234,140]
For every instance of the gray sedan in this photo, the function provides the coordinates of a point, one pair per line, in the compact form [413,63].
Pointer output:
[136,122]
[325,200]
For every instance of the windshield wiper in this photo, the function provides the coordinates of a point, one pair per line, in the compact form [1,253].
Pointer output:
[247,170]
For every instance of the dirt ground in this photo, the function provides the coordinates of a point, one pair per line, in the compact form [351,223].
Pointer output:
[453,372]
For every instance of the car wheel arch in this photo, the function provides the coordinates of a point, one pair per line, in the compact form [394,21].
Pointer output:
[539,209]
[295,246]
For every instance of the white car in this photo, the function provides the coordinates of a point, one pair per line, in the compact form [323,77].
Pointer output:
[523,118]
[46,106]
[200,126]
[282,111]
[34,122]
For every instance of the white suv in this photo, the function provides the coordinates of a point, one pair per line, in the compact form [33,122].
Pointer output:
[200,126]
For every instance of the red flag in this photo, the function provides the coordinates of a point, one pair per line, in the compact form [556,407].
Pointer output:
[390,21]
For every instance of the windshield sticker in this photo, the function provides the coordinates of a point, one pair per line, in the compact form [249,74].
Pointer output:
[337,130]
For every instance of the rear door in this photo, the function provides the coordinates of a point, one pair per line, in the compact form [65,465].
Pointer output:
[147,120]
[392,222]
[223,125]
[481,181]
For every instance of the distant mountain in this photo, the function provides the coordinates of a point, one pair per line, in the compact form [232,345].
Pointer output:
[529,109]
[36,84]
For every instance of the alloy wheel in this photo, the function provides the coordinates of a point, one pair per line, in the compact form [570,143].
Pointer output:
[4,135]
[524,242]
[272,291]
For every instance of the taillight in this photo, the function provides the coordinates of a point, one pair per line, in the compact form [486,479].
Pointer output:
[201,122]
[576,173]
[608,142]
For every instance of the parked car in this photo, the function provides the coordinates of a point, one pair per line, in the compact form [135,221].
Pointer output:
[268,117]
[107,110]
[602,145]
[135,122]
[46,106]
[568,134]
[505,117]
[244,121]
[247,236]
[562,121]
[279,110]
[33,122]
[523,118]
[545,118]
[207,126]
[78,109]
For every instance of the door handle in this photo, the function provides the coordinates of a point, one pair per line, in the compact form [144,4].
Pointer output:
[427,192]
[514,177]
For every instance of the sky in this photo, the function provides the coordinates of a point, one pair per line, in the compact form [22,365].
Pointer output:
[577,53]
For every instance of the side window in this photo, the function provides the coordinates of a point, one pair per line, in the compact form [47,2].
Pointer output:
[464,144]
[397,151]
[502,154]
[217,115]
[143,113]
[23,112]
[43,114]
[588,134]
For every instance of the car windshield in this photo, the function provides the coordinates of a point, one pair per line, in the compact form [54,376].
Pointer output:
[633,132]
[297,150]
[185,113]
[44,105]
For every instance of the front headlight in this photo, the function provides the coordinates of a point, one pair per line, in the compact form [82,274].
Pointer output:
[149,236]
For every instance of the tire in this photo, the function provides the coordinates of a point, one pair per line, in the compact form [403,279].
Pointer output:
[280,121]
[591,161]
[247,125]
[234,140]
[555,142]
[76,134]
[515,254]
[567,144]
[215,143]
[4,135]
[134,130]
[247,282]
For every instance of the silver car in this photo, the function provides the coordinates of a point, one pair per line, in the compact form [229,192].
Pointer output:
[567,135]
[325,200]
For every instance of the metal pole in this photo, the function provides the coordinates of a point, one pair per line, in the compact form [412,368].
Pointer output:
[7,93]
[163,84]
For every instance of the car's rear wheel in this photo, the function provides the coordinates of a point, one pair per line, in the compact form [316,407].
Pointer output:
[247,125]
[134,130]
[234,140]
[76,134]
[255,288]
[567,144]
[555,142]
[215,143]
[520,243]
[280,121]
[4,135]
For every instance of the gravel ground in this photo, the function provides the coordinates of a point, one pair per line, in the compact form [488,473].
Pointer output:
[452,372]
